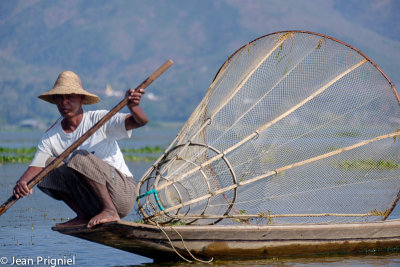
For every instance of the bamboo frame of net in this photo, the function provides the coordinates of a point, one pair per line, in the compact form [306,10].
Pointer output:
[283,36]
[279,170]
[267,125]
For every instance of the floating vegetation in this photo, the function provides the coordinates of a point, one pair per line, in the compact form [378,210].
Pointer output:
[133,158]
[267,216]
[16,155]
[348,134]
[177,223]
[368,164]
[19,151]
[15,159]
[150,151]
[25,154]
[146,149]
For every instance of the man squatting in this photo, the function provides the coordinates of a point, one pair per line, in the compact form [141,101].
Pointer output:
[94,181]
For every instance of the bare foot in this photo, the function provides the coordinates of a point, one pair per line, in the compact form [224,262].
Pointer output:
[103,217]
[74,222]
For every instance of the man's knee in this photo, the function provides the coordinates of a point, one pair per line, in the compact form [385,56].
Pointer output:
[89,166]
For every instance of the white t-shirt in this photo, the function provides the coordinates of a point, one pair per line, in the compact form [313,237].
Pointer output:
[103,143]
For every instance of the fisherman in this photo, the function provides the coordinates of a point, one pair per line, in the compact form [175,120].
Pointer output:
[94,181]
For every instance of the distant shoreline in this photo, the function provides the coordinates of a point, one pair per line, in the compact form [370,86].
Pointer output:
[160,125]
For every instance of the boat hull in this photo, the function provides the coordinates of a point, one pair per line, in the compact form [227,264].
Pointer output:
[241,242]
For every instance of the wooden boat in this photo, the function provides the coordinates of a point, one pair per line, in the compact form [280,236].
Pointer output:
[241,242]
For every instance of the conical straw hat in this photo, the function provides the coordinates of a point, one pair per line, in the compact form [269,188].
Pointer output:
[69,83]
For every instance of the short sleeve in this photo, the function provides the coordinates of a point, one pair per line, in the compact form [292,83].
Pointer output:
[115,127]
[43,153]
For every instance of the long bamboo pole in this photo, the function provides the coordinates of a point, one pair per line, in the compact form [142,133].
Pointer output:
[267,125]
[6,205]
[265,215]
[265,94]
[283,38]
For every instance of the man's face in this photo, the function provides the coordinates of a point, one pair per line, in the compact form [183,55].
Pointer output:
[69,105]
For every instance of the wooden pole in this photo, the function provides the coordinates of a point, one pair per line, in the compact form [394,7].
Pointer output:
[6,205]
[283,38]
[265,126]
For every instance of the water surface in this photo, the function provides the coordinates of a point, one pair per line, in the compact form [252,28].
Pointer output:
[25,229]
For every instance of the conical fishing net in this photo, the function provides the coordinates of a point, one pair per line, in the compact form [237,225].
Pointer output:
[297,127]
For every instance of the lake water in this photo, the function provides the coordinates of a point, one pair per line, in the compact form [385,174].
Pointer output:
[26,235]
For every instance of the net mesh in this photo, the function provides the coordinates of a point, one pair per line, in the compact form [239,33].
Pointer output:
[296,127]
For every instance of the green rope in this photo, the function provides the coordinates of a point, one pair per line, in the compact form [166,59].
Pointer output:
[152,191]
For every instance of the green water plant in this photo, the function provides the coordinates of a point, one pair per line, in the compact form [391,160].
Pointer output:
[18,151]
[143,150]
[368,164]
[132,158]
[348,134]
[15,159]
[25,154]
